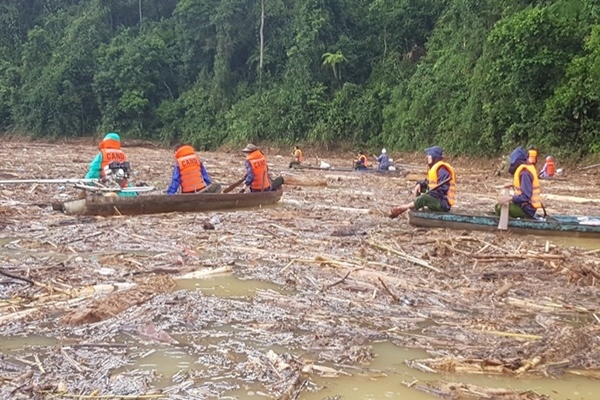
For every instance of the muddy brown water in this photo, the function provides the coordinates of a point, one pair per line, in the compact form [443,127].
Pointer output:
[582,243]
[382,378]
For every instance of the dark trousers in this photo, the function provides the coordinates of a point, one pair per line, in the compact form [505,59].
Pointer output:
[275,184]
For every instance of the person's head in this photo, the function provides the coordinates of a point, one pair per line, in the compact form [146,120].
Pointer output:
[383,151]
[532,155]
[250,148]
[517,158]
[434,154]
[112,136]
[111,141]
[178,146]
[296,147]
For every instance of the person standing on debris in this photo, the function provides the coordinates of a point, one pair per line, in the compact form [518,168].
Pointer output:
[383,160]
[110,152]
[189,173]
[527,197]
[438,191]
[257,172]
[549,169]
[361,161]
[298,158]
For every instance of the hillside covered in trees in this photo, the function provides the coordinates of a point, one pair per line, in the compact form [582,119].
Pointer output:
[470,75]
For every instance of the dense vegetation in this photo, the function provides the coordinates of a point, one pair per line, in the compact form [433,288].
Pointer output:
[471,75]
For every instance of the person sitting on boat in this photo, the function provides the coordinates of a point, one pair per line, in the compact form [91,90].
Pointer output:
[111,159]
[297,157]
[383,160]
[257,172]
[361,161]
[189,173]
[527,197]
[438,191]
[549,169]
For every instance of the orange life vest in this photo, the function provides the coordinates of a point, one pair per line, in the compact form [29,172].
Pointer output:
[258,163]
[536,200]
[111,151]
[550,168]
[190,169]
[363,159]
[432,177]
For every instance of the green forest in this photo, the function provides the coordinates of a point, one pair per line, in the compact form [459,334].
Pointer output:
[474,76]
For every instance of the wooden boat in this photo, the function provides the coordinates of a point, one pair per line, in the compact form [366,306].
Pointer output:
[163,203]
[558,225]
[375,171]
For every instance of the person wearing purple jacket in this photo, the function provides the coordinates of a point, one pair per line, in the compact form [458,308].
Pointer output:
[438,191]
[527,198]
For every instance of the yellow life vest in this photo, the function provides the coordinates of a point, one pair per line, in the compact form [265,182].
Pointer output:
[536,200]
[432,177]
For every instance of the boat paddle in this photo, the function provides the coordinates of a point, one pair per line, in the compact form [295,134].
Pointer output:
[435,187]
[234,185]
[503,222]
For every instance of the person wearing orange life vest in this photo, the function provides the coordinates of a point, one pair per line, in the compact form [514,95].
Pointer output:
[361,161]
[549,169]
[438,191]
[110,151]
[257,172]
[189,173]
[527,198]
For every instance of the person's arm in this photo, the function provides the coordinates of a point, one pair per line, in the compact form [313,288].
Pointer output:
[175,180]
[249,175]
[205,176]
[94,169]
[526,189]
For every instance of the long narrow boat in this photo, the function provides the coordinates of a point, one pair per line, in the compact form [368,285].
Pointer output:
[560,225]
[163,203]
[352,170]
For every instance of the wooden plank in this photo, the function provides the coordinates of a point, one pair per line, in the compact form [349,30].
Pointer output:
[503,222]
[569,199]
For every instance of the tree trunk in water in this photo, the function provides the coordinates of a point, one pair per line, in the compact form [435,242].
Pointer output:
[262,37]
[140,9]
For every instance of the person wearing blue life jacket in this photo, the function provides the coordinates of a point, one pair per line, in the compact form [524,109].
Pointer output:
[438,191]
[527,198]
[110,151]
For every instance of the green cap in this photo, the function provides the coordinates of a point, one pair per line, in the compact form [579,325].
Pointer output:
[113,136]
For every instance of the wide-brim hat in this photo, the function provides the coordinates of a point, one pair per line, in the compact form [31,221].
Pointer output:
[249,148]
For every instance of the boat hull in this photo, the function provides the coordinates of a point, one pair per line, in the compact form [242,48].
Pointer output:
[558,225]
[162,203]
[395,173]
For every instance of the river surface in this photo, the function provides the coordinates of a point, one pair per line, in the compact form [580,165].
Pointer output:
[382,379]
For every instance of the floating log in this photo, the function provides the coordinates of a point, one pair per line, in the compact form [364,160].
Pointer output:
[303,181]
[569,199]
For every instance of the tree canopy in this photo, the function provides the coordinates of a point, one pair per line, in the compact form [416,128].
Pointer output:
[471,75]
